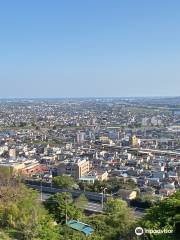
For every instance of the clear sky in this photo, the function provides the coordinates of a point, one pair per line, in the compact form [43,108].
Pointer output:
[83,48]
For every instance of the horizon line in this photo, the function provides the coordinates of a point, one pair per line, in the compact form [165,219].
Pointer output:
[91,97]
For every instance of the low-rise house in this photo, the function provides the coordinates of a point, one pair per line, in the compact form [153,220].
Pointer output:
[127,194]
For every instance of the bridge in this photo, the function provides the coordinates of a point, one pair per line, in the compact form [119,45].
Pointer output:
[141,150]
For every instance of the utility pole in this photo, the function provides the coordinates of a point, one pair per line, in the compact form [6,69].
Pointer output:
[51,183]
[102,200]
[41,191]
[66,209]
[51,179]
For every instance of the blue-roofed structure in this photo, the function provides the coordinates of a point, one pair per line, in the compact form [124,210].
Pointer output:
[79,226]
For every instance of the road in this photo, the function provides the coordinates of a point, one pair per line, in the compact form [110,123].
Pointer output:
[94,199]
[91,206]
[94,207]
[97,207]
[91,196]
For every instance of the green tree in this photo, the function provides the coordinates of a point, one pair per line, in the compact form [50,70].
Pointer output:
[26,215]
[62,208]
[64,181]
[22,124]
[3,235]
[47,229]
[119,217]
[81,202]
[164,215]
[21,214]
[114,206]
[103,231]
[112,185]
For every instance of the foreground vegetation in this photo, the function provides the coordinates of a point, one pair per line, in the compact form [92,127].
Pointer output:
[24,217]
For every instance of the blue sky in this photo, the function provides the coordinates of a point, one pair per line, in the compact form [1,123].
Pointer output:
[82,48]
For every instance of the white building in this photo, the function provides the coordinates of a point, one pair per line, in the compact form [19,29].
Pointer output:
[80,137]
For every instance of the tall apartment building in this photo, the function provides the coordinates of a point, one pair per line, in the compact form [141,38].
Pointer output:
[80,137]
[76,169]
[12,153]
[135,141]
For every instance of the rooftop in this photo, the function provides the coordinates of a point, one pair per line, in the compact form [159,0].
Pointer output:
[79,226]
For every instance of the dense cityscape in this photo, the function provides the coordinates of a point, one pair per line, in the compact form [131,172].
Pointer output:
[89,120]
[98,167]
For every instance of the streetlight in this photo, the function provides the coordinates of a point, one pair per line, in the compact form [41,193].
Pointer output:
[112,194]
[66,215]
[102,201]
[41,192]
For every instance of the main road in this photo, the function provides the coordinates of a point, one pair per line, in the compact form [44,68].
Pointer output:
[91,206]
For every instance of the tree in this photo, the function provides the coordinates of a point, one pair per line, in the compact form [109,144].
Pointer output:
[3,235]
[164,215]
[10,185]
[47,229]
[119,217]
[114,206]
[144,201]
[21,213]
[103,231]
[26,215]
[81,202]
[22,124]
[86,186]
[120,183]
[63,181]
[62,208]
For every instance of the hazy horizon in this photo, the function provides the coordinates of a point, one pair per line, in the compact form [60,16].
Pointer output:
[64,97]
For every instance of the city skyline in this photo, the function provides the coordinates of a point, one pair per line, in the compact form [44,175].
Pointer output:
[89,119]
[89,49]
